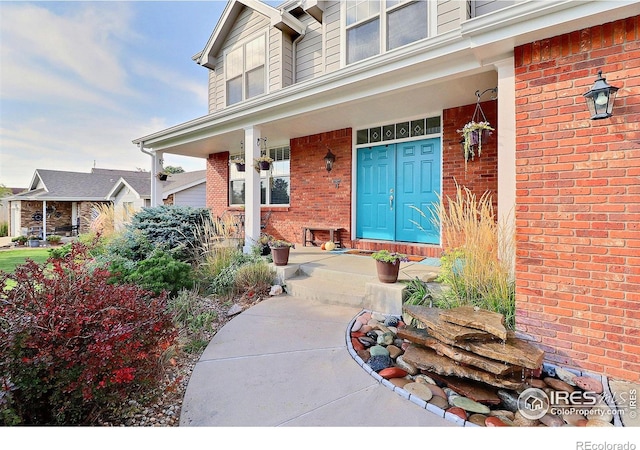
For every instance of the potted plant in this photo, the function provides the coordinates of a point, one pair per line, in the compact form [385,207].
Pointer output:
[33,240]
[162,175]
[280,251]
[263,163]
[472,135]
[54,239]
[262,245]
[19,240]
[239,162]
[388,265]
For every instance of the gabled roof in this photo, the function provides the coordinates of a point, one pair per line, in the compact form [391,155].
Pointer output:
[279,18]
[75,186]
[180,181]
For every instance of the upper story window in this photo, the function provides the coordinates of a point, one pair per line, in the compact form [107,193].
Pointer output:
[245,71]
[377,26]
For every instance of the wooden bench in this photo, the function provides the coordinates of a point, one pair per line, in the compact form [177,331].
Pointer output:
[308,235]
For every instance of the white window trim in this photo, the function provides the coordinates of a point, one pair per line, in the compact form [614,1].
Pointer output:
[242,44]
[432,26]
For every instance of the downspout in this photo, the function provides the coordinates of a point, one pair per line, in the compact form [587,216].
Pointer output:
[294,49]
[154,178]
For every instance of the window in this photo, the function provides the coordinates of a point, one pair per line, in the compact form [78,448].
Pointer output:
[244,69]
[397,24]
[401,130]
[275,184]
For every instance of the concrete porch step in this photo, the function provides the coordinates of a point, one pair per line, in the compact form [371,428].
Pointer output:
[326,291]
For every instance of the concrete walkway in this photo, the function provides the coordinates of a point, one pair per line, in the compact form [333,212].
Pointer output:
[285,362]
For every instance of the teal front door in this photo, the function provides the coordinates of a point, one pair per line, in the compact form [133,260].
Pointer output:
[392,181]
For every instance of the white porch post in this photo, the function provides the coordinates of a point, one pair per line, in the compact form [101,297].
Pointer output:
[44,219]
[156,185]
[506,143]
[251,189]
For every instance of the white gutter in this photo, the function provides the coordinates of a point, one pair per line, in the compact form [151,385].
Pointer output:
[155,163]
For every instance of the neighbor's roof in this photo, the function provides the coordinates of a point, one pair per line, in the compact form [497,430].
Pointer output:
[181,181]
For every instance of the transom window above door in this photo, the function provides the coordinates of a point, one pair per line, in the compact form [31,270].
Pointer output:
[244,70]
[377,26]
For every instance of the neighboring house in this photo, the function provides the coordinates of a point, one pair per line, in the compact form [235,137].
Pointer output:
[63,202]
[385,87]
[5,215]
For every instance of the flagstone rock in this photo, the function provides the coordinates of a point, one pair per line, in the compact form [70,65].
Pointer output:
[509,399]
[477,318]
[409,368]
[420,390]
[474,390]
[589,384]
[443,331]
[537,383]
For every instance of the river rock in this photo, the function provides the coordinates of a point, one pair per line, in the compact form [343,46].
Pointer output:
[392,372]
[574,419]
[509,400]
[494,421]
[456,411]
[469,405]
[409,368]
[439,402]
[565,375]
[420,390]
[394,351]
[356,326]
[364,318]
[477,419]
[552,420]
[400,382]
[558,385]
[379,350]
[436,390]
[391,321]
[589,384]
[598,423]
[378,317]
[385,338]
[377,363]
[364,354]
[366,329]
[522,421]
[451,394]
[367,341]
[422,378]
[503,413]
[356,344]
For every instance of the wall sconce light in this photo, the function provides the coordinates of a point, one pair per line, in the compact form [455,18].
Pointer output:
[329,159]
[600,98]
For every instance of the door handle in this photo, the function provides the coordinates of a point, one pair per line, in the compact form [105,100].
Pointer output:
[391,199]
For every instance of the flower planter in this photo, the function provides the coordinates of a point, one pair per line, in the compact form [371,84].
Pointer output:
[264,165]
[240,167]
[162,176]
[388,272]
[34,243]
[280,256]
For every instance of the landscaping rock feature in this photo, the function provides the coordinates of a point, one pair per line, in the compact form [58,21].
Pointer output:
[476,318]
[411,359]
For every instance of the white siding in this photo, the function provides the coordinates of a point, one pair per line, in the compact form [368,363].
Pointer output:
[332,24]
[309,51]
[195,196]
[449,15]
[249,23]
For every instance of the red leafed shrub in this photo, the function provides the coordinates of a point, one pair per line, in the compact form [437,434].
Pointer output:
[74,347]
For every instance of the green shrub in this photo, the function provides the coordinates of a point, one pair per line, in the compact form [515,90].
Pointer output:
[194,316]
[4,229]
[217,274]
[171,228]
[60,252]
[161,272]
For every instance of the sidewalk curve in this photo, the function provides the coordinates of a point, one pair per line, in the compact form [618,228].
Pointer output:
[285,362]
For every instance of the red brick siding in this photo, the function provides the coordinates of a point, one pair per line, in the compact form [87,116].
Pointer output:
[218,182]
[578,200]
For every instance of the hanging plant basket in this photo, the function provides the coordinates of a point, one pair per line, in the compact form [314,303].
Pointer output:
[474,133]
[240,167]
[162,176]
[265,165]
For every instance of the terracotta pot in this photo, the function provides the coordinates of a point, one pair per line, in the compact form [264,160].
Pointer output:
[280,256]
[388,272]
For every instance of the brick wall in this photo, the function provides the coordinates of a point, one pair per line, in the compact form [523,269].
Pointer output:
[218,183]
[59,214]
[578,200]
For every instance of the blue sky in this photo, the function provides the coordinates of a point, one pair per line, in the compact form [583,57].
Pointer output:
[79,80]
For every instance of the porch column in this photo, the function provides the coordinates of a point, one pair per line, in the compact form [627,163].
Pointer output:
[156,185]
[44,219]
[251,189]
[506,144]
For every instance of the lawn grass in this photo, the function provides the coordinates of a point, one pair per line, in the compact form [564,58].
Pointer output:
[10,259]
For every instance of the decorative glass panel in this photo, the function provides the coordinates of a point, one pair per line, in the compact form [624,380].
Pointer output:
[402,130]
[375,134]
[362,137]
[388,132]
[417,127]
[433,125]
[363,41]
[407,24]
